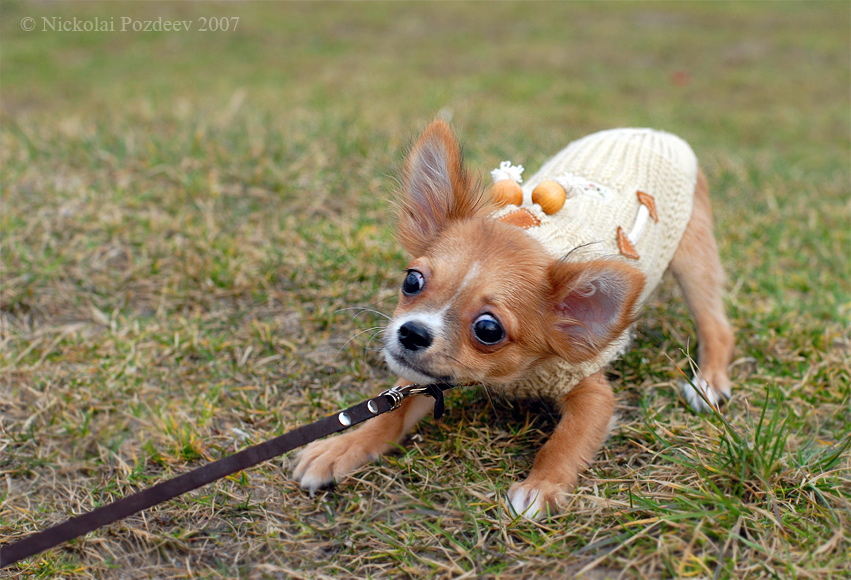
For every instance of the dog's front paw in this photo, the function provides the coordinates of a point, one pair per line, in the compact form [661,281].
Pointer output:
[323,462]
[533,499]
[703,395]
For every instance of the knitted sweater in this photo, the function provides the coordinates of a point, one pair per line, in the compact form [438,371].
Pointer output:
[629,196]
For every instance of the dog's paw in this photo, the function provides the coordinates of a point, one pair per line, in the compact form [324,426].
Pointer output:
[533,500]
[714,392]
[324,462]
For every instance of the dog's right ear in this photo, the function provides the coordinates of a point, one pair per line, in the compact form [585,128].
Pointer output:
[436,188]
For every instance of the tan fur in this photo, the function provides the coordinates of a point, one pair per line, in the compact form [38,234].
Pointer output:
[585,416]
[567,279]
[548,308]
[697,269]
[435,162]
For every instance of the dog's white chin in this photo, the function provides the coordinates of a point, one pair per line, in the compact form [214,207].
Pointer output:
[407,372]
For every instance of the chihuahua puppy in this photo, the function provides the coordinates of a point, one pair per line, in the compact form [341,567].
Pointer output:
[535,303]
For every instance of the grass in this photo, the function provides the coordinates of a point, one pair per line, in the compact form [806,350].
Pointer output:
[188,217]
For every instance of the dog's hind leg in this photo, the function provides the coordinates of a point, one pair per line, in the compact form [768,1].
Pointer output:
[697,268]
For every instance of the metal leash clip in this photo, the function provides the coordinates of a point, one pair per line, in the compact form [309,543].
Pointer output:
[400,392]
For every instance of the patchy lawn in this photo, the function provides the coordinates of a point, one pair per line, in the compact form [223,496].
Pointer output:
[195,229]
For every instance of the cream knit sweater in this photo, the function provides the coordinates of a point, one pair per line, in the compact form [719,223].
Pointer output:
[604,216]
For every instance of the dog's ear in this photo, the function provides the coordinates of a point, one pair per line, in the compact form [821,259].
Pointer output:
[436,188]
[590,304]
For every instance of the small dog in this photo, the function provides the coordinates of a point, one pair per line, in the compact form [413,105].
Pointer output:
[535,303]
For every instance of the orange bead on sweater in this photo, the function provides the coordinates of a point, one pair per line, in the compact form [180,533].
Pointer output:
[550,195]
[506,192]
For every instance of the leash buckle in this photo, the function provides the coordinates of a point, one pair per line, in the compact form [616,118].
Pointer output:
[401,392]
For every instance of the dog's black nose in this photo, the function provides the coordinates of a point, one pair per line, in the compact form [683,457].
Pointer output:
[414,335]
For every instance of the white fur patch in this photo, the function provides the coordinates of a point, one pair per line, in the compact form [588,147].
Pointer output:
[432,320]
[406,372]
[312,482]
[472,273]
[526,502]
[393,350]
[695,401]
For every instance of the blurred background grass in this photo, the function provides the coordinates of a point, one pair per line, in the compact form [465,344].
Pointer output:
[185,214]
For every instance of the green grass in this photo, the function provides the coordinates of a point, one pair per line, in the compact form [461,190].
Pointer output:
[187,217]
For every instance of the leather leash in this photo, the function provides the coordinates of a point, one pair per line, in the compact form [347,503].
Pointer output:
[249,457]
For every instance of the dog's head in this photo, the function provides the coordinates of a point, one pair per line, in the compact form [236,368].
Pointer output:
[482,301]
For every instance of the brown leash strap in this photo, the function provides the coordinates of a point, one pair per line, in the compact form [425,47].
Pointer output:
[171,488]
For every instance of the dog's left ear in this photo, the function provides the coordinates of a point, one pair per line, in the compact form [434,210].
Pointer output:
[591,304]
[436,188]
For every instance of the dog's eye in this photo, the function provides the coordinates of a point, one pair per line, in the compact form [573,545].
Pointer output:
[487,329]
[413,283]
